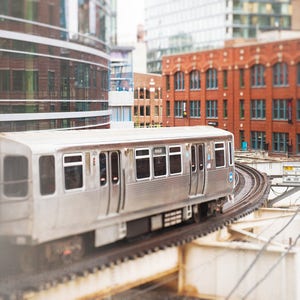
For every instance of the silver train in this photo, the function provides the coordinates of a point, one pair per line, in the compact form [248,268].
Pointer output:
[63,190]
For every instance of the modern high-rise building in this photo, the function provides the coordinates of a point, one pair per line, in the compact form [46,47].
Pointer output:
[54,66]
[184,26]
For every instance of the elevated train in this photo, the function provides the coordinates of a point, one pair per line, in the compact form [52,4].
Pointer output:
[63,190]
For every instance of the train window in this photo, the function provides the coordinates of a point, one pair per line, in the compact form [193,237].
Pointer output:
[175,159]
[159,161]
[201,157]
[220,154]
[71,159]
[142,161]
[103,168]
[193,155]
[230,153]
[15,176]
[73,168]
[114,163]
[47,174]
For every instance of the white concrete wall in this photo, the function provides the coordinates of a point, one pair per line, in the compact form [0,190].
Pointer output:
[102,284]
[213,270]
[212,266]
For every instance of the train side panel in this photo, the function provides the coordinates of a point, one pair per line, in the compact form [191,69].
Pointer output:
[106,189]
[158,179]
[87,206]
[220,169]
[74,205]
[16,203]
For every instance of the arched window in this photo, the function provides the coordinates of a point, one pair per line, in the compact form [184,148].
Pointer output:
[280,74]
[147,94]
[142,94]
[212,79]
[195,82]
[258,75]
[179,80]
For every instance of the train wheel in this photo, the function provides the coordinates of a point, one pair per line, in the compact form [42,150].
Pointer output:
[73,249]
[200,211]
[29,259]
[78,248]
[196,213]
[204,209]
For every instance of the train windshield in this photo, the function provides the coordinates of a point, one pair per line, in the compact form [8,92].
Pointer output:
[15,176]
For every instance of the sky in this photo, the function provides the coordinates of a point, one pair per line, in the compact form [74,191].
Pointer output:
[130,14]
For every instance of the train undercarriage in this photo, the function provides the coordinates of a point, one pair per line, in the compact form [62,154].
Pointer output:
[72,249]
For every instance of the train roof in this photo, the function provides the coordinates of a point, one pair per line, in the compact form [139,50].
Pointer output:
[69,138]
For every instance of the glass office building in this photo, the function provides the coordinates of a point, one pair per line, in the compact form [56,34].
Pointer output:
[54,66]
[185,26]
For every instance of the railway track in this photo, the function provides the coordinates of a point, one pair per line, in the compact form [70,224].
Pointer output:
[251,192]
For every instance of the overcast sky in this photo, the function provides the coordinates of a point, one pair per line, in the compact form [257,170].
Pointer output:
[130,14]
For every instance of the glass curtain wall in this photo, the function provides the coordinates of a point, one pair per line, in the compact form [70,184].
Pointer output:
[185,26]
[54,64]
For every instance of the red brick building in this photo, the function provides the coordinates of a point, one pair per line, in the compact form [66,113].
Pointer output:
[147,110]
[252,90]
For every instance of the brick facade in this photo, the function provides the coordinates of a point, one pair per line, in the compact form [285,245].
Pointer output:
[147,110]
[255,94]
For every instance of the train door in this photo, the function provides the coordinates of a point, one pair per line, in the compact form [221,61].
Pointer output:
[197,169]
[110,180]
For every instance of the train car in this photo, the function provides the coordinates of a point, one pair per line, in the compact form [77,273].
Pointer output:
[62,190]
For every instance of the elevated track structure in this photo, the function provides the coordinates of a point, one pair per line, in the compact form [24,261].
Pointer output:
[127,264]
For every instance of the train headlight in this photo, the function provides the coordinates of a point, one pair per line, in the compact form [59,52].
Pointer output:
[230,177]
